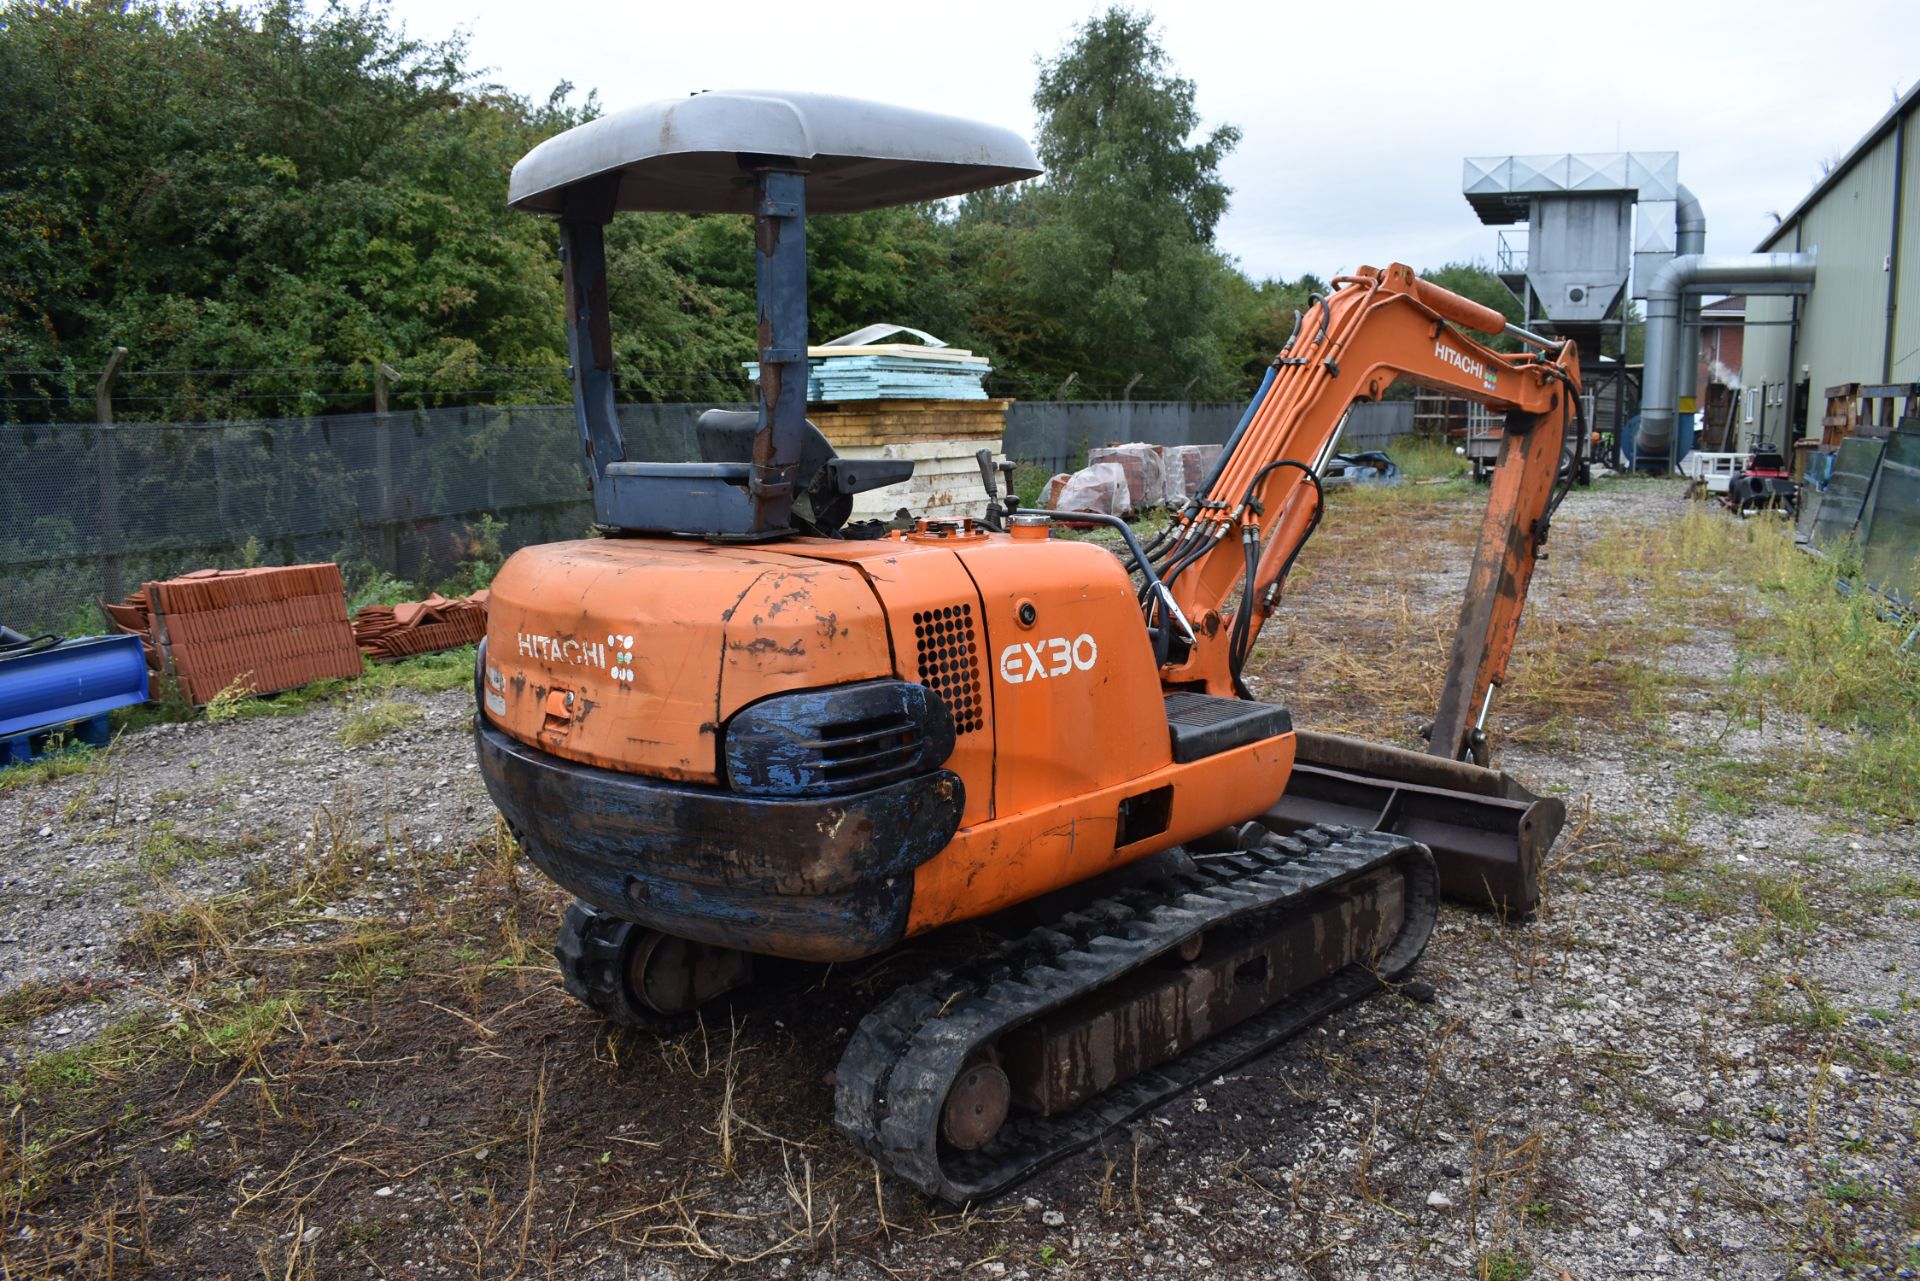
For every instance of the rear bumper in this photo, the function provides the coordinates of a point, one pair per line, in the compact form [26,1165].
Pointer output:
[819,878]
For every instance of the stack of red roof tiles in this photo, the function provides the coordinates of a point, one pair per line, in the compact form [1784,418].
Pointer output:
[264,629]
[421,627]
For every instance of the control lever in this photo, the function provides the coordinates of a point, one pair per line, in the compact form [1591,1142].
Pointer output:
[997,510]
[984,457]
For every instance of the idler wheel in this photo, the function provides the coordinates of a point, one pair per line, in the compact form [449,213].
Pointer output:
[976,1107]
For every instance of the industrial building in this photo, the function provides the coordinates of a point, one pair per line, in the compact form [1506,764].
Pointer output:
[1860,322]
[1593,221]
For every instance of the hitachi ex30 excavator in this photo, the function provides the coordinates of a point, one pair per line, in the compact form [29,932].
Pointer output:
[736,725]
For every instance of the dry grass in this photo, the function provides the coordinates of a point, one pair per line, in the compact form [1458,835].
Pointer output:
[303,1044]
[1361,645]
[1606,643]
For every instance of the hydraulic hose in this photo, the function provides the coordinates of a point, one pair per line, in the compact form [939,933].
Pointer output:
[1240,640]
[1576,423]
[1194,501]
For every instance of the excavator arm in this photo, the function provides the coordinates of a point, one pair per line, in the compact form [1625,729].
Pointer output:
[1220,567]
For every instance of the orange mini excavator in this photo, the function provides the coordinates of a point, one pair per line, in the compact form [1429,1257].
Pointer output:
[737,725]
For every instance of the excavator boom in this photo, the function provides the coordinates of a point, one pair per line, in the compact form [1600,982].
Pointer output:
[1222,565]
[1262,500]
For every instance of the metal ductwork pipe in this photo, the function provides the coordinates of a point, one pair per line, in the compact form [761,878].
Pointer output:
[1689,237]
[1697,274]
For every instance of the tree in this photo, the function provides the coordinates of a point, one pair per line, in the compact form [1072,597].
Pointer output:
[1112,109]
[259,189]
[286,194]
[1264,319]
[1116,274]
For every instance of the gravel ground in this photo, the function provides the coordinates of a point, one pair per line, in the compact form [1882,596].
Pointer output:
[195,809]
[1694,1063]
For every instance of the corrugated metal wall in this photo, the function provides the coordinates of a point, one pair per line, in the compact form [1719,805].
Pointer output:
[1764,359]
[1906,323]
[1843,327]
[1842,335]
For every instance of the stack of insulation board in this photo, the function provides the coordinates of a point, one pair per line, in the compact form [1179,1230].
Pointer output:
[262,629]
[421,627]
[891,371]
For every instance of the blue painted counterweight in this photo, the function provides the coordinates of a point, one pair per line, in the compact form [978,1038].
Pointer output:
[74,680]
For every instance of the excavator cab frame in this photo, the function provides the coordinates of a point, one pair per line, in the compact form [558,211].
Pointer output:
[774,156]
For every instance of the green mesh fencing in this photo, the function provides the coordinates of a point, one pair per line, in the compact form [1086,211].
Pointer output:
[90,513]
[1854,468]
[1890,543]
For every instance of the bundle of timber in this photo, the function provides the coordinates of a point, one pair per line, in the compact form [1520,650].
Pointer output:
[261,630]
[940,438]
[905,402]
[420,627]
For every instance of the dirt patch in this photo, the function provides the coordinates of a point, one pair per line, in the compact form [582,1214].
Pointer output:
[274,1005]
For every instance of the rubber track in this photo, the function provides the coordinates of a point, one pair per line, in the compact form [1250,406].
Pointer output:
[904,1056]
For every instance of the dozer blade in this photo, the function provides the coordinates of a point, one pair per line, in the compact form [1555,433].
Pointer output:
[1488,834]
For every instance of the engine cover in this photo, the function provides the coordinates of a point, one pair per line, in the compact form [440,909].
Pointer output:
[631,653]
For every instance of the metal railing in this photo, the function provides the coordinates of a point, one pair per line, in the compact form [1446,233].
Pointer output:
[1510,253]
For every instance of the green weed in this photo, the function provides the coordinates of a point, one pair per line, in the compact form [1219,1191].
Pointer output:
[1905,885]
[380,588]
[1848,1191]
[1503,1265]
[1785,900]
[1424,458]
[62,762]
[377,720]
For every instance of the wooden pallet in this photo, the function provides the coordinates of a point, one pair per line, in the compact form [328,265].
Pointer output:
[1843,414]
[1883,405]
[18,749]
[1867,409]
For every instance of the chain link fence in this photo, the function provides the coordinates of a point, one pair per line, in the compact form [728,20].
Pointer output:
[89,513]
[1872,503]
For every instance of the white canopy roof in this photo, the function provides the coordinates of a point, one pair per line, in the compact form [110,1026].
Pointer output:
[683,154]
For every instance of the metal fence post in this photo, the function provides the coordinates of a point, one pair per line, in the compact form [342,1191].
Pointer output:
[384,376]
[109,462]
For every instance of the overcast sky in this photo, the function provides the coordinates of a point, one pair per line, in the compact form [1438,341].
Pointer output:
[1355,115]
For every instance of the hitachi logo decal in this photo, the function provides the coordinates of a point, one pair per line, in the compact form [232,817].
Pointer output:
[1472,368]
[1056,656]
[549,650]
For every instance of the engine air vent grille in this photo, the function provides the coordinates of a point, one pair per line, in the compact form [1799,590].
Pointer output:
[948,666]
[840,738]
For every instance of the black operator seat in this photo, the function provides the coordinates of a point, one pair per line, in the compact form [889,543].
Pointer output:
[824,483]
